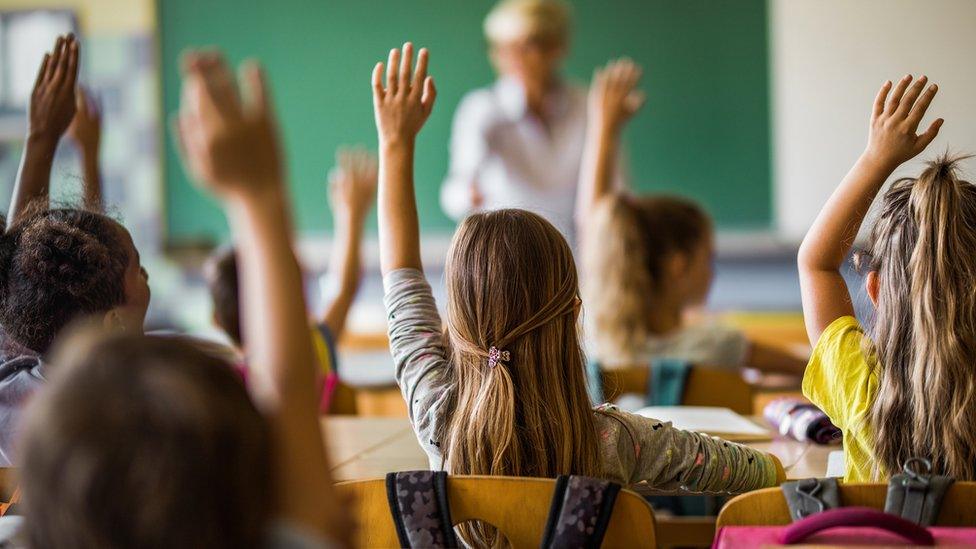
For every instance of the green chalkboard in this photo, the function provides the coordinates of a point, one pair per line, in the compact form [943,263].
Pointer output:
[704,132]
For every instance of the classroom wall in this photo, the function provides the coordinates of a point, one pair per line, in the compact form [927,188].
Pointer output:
[829,57]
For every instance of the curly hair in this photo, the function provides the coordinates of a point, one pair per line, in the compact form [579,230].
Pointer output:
[58,265]
[622,274]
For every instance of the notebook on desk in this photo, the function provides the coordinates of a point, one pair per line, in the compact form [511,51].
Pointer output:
[719,422]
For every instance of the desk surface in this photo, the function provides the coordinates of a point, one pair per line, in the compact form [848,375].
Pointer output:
[371,447]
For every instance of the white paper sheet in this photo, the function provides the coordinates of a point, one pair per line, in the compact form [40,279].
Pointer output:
[706,419]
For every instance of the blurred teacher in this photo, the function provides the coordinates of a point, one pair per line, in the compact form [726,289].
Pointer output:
[517,143]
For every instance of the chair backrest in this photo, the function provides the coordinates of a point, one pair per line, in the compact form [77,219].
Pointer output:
[768,507]
[517,506]
[704,386]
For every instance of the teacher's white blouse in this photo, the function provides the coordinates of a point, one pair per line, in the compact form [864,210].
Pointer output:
[515,160]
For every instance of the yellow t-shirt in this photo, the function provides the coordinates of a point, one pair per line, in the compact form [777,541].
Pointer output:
[843,383]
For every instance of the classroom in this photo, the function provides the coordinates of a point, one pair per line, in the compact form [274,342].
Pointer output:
[491,273]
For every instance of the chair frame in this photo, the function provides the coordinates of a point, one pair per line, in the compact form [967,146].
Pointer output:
[517,506]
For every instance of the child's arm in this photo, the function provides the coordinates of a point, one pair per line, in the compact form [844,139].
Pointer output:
[401,108]
[892,140]
[52,106]
[613,100]
[352,193]
[86,131]
[231,146]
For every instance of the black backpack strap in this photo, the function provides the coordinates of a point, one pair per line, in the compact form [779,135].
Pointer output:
[917,496]
[418,504]
[580,512]
[811,496]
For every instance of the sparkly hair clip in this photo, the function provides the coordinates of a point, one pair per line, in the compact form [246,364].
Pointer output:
[495,356]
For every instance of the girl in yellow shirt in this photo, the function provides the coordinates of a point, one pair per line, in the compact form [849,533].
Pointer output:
[905,388]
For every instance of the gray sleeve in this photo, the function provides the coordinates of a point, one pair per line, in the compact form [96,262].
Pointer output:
[653,451]
[419,353]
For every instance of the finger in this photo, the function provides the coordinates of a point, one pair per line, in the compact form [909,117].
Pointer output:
[895,98]
[908,100]
[392,67]
[221,94]
[257,92]
[42,71]
[71,78]
[879,100]
[922,105]
[377,80]
[55,57]
[930,134]
[60,61]
[405,66]
[420,74]
[430,94]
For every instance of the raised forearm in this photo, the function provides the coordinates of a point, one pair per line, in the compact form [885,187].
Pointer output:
[92,183]
[596,171]
[399,229]
[34,175]
[346,266]
[275,322]
[832,235]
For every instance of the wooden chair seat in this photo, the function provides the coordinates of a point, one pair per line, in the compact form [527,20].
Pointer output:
[518,507]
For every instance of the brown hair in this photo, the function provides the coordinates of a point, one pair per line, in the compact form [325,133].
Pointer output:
[631,238]
[511,284]
[221,275]
[140,441]
[924,333]
[58,265]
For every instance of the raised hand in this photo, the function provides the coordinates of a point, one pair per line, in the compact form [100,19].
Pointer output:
[403,105]
[86,127]
[352,183]
[892,138]
[614,96]
[52,104]
[230,144]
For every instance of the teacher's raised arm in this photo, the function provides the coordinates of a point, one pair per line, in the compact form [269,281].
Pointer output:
[518,142]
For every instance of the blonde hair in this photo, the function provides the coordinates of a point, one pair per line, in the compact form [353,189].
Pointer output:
[512,285]
[623,268]
[924,334]
[545,20]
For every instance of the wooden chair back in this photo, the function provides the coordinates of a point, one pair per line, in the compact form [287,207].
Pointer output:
[705,386]
[768,507]
[517,506]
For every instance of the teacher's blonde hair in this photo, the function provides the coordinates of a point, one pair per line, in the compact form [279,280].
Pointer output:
[547,21]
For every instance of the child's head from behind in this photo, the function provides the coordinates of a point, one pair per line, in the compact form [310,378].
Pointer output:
[141,441]
[512,286]
[221,275]
[921,277]
[644,254]
[59,265]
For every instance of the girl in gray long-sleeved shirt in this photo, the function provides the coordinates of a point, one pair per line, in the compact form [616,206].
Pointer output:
[632,448]
[503,392]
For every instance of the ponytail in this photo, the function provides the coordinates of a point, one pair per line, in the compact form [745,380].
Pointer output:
[925,330]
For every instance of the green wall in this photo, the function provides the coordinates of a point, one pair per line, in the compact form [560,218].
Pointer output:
[704,132]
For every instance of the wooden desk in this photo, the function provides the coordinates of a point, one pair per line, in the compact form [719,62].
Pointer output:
[362,448]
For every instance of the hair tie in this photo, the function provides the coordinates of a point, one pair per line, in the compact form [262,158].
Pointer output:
[495,356]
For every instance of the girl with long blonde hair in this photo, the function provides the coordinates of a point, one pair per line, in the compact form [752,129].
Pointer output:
[506,394]
[905,388]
